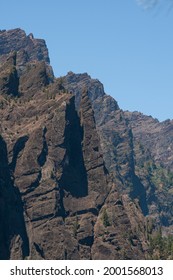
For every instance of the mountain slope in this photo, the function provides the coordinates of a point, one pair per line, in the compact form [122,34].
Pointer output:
[71,164]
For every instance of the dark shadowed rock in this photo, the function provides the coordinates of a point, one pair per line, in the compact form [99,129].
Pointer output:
[9,81]
[13,237]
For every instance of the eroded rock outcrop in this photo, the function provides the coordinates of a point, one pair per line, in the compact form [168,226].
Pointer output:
[78,176]
[27,49]
[9,81]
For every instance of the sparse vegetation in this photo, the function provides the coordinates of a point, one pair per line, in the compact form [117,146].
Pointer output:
[75,226]
[105,218]
[161,247]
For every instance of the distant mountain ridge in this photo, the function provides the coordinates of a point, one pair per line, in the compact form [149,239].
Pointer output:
[79,177]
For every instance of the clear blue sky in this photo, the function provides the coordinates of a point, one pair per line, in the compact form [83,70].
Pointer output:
[128,49]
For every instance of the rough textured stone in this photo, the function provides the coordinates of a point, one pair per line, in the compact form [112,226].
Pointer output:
[153,146]
[27,48]
[79,178]
[13,237]
[9,80]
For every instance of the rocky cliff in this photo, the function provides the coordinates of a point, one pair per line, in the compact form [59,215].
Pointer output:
[79,178]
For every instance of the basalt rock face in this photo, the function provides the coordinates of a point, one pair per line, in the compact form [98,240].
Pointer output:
[153,153]
[58,167]
[154,135]
[27,49]
[13,237]
[9,80]
[137,151]
[71,186]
